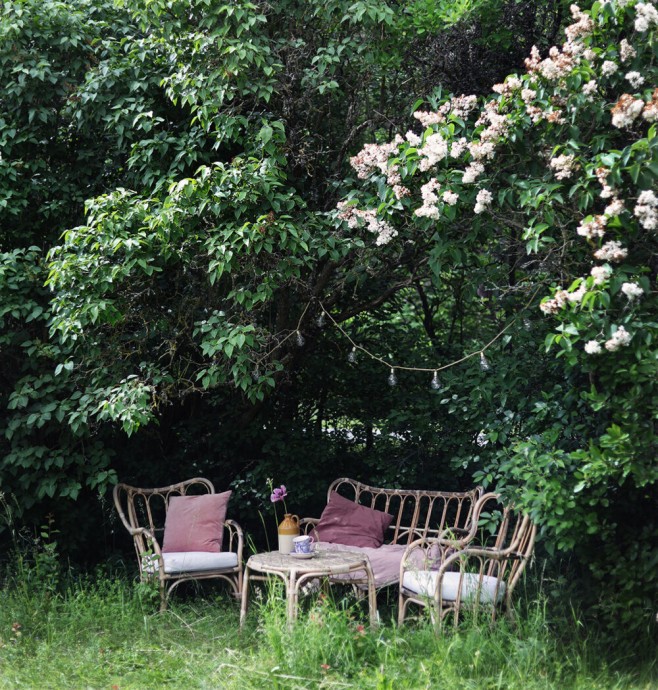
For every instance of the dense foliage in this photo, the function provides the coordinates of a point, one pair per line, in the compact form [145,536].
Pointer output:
[180,295]
[554,180]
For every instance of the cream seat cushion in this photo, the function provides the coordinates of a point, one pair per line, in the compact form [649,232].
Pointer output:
[198,561]
[424,582]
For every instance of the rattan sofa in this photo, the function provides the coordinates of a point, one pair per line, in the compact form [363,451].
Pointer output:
[416,514]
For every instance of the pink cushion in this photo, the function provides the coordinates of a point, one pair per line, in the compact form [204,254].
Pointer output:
[195,523]
[384,561]
[346,522]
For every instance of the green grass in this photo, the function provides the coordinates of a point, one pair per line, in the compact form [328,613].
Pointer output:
[105,633]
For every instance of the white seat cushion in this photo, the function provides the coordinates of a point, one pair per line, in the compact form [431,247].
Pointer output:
[424,582]
[198,561]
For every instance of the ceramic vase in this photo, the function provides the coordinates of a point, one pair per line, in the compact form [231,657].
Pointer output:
[288,530]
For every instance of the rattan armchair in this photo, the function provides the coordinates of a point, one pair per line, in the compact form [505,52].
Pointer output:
[477,572]
[143,513]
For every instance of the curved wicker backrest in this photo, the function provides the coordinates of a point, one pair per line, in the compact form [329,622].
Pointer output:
[417,513]
[506,543]
[147,508]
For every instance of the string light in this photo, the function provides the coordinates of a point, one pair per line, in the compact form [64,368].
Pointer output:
[435,384]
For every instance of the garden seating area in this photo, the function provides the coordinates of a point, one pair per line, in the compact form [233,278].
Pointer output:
[431,543]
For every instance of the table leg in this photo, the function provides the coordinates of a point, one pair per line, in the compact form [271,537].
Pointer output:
[372,596]
[292,585]
[245,596]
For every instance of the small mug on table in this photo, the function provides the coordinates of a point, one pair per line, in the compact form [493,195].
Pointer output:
[303,544]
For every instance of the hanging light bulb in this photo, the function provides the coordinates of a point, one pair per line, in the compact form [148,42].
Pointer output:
[321,320]
[351,357]
[392,378]
[436,383]
[299,339]
[484,363]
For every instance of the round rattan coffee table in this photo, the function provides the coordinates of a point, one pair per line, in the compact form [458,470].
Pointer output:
[295,572]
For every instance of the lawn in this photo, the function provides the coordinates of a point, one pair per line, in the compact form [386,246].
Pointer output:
[106,632]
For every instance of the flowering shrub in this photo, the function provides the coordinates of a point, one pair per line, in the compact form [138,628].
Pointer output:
[559,166]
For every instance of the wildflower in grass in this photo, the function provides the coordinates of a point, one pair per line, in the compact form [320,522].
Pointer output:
[279,494]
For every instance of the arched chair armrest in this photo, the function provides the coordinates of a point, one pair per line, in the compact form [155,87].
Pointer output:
[307,525]
[235,538]
[426,553]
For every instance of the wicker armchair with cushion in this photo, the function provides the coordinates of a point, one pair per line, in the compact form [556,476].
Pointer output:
[450,574]
[180,533]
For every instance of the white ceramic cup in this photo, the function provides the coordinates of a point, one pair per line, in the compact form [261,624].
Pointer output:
[303,544]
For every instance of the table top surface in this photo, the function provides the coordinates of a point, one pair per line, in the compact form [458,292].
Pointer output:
[323,561]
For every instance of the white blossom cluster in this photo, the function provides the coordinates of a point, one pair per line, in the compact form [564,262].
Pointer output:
[563,297]
[650,112]
[592,228]
[429,208]
[374,157]
[632,290]
[460,106]
[483,201]
[608,68]
[647,16]
[626,110]
[564,166]
[646,210]
[620,338]
[635,79]
[385,231]
[589,89]
[592,347]
[611,251]
[626,51]
[600,274]
[434,149]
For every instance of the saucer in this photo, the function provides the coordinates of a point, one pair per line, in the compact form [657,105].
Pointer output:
[302,555]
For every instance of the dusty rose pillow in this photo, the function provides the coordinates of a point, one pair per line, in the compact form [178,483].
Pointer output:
[195,523]
[346,522]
